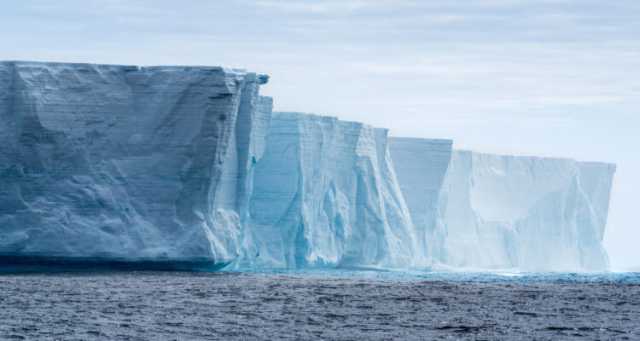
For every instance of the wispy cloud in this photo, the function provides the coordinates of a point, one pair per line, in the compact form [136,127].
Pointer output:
[330,6]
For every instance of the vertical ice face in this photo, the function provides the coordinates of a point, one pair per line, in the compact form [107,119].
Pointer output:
[325,194]
[527,213]
[127,162]
[421,166]
[181,164]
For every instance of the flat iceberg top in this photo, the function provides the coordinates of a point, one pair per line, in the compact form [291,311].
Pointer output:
[531,158]
[421,141]
[263,79]
[316,118]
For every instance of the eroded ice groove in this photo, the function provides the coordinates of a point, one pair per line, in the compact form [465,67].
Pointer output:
[125,162]
[325,194]
[421,166]
[526,213]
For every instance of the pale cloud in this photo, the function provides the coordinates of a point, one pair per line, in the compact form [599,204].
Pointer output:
[313,6]
[330,6]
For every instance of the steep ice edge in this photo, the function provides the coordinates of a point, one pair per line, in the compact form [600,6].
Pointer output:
[498,212]
[127,163]
[326,195]
[183,167]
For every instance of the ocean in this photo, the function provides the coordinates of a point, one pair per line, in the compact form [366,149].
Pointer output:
[318,305]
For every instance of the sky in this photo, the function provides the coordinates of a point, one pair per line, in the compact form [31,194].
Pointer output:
[540,77]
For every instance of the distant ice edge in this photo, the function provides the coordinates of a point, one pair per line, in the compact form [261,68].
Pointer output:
[498,212]
[175,167]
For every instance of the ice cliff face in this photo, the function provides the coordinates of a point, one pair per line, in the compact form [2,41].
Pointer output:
[123,162]
[533,214]
[185,164]
[421,166]
[524,213]
[325,194]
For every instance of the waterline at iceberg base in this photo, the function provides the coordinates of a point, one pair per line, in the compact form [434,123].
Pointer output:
[188,166]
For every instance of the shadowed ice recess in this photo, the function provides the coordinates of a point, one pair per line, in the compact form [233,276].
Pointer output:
[182,168]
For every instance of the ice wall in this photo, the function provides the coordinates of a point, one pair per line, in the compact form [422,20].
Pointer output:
[184,164]
[421,166]
[325,194]
[525,213]
[125,162]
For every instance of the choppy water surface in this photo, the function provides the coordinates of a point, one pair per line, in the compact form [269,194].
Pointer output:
[335,305]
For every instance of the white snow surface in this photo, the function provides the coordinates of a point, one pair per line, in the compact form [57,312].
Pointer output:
[126,162]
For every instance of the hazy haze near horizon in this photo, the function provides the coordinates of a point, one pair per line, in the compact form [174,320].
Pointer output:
[547,77]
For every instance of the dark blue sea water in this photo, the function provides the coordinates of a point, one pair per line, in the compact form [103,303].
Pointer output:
[329,305]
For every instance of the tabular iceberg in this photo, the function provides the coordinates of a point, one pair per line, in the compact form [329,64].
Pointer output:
[529,213]
[514,212]
[325,194]
[125,162]
[186,166]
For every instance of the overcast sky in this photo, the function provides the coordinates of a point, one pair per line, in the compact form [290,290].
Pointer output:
[544,77]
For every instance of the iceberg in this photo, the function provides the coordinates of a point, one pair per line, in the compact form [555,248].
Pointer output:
[186,168]
[326,195]
[127,163]
[498,212]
